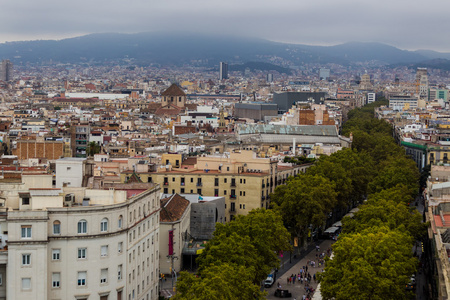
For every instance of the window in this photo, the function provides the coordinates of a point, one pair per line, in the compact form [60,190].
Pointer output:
[56,227]
[82,226]
[56,254]
[182,191]
[119,272]
[26,259]
[26,231]
[104,276]
[81,278]
[82,253]
[104,251]
[25,201]
[104,225]
[56,280]
[119,247]
[120,221]
[26,283]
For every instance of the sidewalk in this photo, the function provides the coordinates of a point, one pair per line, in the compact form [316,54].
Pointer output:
[297,289]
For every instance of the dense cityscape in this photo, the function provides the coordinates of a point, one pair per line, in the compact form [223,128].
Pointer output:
[123,181]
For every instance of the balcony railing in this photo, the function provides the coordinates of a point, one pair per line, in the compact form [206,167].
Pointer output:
[232,211]
[232,196]
[233,184]
[166,183]
[182,183]
[199,184]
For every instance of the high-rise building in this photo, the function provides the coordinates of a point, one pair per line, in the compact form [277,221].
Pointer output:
[270,77]
[324,74]
[422,83]
[223,70]
[6,70]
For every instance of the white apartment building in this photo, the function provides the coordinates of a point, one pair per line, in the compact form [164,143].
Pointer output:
[371,97]
[78,243]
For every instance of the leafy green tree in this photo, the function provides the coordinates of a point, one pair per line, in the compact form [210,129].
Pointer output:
[350,171]
[252,240]
[305,200]
[375,264]
[397,170]
[93,148]
[219,282]
[378,212]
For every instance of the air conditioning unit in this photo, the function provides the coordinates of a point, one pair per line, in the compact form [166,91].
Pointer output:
[69,200]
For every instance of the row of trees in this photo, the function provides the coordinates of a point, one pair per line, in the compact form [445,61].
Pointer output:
[344,179]
[237,259]
[373,256]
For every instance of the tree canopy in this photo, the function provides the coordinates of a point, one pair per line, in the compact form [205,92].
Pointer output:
[305,200]
[373,255]
[373,264]
[238,257]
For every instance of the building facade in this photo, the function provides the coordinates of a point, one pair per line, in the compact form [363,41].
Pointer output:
[77,243]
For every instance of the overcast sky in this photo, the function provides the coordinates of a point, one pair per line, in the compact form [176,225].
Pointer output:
[405,24]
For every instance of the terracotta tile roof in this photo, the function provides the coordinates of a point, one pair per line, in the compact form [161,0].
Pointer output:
[191,106]
[173,208]
[173,90]
[190,161]
[165,111]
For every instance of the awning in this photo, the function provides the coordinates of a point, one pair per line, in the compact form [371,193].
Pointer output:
[332,229]
[338,224]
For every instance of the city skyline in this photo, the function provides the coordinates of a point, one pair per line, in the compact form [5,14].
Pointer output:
[409,27]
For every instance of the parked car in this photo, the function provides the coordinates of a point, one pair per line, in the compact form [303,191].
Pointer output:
[411,286]
[282,294]
[269,281]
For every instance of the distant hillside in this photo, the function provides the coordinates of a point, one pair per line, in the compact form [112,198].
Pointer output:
[185,48]
[438,63]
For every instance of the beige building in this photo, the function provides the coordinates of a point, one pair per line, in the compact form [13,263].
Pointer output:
[78,243]
[174,228]
[241,177]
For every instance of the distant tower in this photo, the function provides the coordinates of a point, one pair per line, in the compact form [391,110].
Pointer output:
[365,82]
[422,82]
[222,123]
[270,77]
[223,70]
[6,70]
[324,74]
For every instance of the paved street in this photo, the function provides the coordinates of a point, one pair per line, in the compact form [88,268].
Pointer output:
[297,289]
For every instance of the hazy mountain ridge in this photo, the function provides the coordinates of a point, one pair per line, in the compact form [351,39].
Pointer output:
[181,48]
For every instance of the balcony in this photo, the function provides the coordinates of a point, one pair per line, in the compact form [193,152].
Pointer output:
[232,196]
[199,184]
[232,211]
[166,183]
[263,198]
[233,184]
[182,184]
